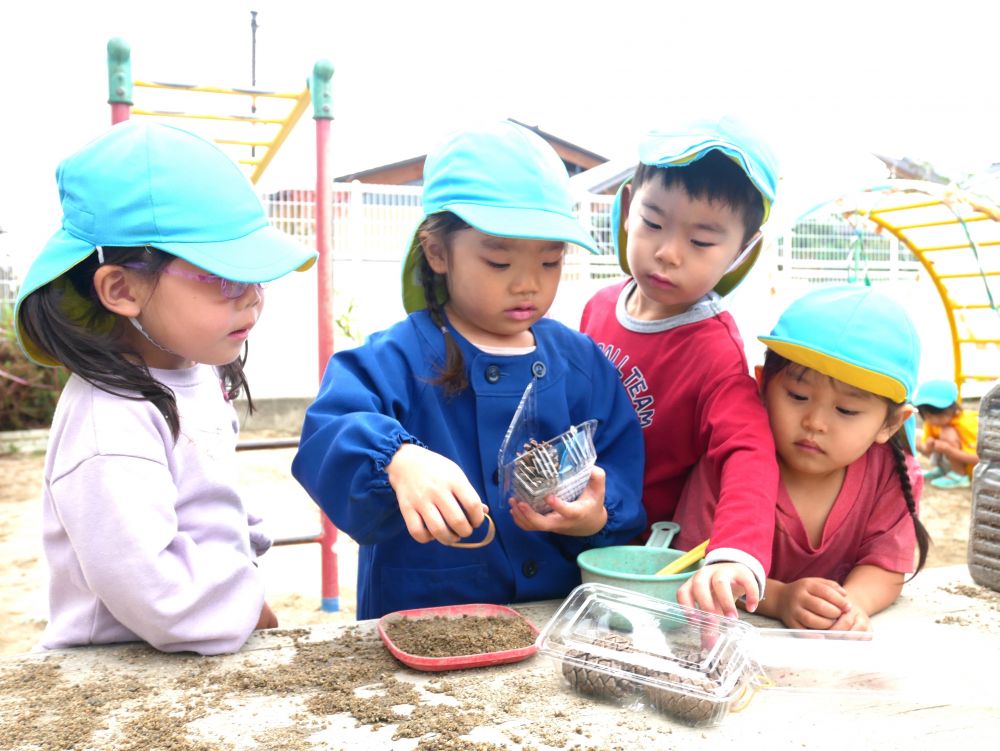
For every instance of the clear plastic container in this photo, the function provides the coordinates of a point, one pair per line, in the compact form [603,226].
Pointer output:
[617,645]
[643,652]
[560,466]
[984,529]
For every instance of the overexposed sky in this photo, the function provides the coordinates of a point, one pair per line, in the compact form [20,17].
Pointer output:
[829,83]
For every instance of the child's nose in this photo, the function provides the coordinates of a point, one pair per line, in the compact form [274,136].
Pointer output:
[254,295]
[813,421]
[524,282]
[669,251]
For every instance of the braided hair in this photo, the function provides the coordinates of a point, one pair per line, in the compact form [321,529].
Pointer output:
[775,363]
[900,448]
[451,376]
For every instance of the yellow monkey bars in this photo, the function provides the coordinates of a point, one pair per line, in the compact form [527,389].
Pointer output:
[270,117]
[954,234]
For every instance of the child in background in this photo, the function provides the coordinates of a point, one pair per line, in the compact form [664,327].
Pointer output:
[950,434]
[687,230]
[400,447]
[147,295]
[840,365]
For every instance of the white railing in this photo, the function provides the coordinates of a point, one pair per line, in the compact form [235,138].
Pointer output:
[372,225]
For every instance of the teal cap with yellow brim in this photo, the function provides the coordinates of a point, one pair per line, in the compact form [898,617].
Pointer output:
[503,180]
[686,145]
[854,334]
[158,185]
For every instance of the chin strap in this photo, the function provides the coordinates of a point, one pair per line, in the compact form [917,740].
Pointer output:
[745,252]
[141,330]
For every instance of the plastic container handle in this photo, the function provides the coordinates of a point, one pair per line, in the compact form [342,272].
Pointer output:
[661,534]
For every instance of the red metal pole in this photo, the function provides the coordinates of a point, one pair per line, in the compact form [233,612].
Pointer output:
[119,80]
[323,114]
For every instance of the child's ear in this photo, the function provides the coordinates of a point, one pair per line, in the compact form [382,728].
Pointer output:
[758,375]
[892,426]
[435,252]
[114,290]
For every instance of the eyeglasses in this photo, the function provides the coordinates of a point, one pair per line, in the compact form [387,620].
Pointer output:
[230,290]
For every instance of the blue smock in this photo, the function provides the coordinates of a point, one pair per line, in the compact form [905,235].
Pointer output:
[380,395]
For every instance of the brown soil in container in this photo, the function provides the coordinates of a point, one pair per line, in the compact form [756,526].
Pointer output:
[442,636]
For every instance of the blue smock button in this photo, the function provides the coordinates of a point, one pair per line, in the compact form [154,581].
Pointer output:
[538,368]
[529,568]
[493,373]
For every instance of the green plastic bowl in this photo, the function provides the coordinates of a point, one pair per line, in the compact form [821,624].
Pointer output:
[634,567]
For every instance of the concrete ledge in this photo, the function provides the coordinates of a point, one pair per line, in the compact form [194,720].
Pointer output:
[282,415]
[23,441]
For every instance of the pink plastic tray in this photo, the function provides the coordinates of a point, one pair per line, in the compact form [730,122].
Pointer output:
[458,662]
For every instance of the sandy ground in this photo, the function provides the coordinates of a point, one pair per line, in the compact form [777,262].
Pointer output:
[292,572]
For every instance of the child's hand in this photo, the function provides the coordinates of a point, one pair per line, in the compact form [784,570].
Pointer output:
[583,517]
[854,619]
[715,588]
[813,602]
[267,618]
[435,497]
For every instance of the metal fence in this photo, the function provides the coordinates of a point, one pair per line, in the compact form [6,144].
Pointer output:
[371,224]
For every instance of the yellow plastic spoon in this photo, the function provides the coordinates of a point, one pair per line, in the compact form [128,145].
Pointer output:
[690,558]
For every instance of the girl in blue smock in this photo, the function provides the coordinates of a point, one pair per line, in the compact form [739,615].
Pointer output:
[400,447]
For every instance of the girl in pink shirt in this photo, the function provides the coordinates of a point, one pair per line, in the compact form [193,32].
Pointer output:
[841,364]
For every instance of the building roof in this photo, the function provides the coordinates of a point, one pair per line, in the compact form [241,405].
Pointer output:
[410,171]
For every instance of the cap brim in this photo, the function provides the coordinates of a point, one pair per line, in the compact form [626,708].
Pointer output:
[854,375]
[62,252]
[531,224]
[263,255]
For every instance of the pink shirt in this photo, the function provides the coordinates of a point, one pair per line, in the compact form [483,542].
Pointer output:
[868,524]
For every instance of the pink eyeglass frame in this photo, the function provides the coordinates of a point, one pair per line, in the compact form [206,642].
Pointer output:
[230,290]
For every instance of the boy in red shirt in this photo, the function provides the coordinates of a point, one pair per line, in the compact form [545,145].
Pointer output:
[687,230]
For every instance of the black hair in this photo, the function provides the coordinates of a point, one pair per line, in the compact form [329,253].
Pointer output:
[775,364]
[716,178]
[66,320]
[927,409]
[451,376]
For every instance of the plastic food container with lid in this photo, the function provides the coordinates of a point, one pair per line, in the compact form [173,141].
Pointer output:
[559,466]
[646,653]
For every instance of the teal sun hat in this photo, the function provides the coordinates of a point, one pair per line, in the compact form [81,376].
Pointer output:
[503,180]
[158,185]
[939,394]
[853,334]
[689,143]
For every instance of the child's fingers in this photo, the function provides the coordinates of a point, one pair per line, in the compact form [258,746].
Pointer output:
[527,518]
[415,525]
[829,592]
[470,511]
[745,583]
[597,483]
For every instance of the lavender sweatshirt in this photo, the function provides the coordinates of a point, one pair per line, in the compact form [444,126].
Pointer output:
[147,539]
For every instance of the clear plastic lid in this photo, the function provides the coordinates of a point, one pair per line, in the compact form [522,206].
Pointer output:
[619,645]
[616,644]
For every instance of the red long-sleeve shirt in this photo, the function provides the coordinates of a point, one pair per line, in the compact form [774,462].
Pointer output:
[689,383]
